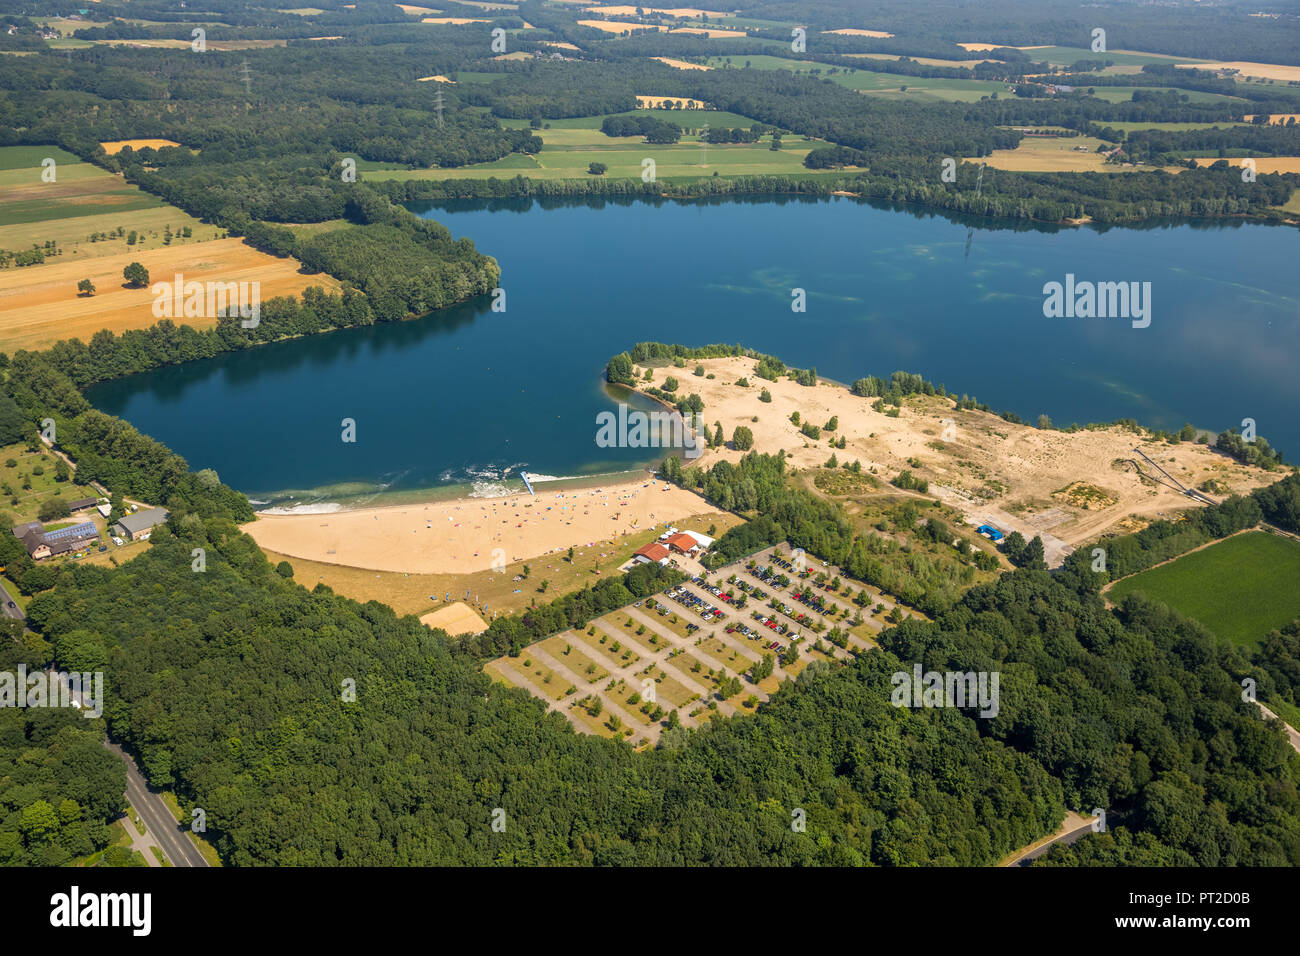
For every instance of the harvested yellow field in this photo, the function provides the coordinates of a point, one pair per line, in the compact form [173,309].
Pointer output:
[116,146]
[456,619]
[853,32]
[559,45]
[489,5]
[456,21]
[1263,164]
[657,102]
[981,47]
[689,13]
[927,60]
[711,34]
[1051,155]
[39,304]
[1264,71]
[439,78]
[680,64]
[615,26]
[1274,119]
[515,55]
[410,8]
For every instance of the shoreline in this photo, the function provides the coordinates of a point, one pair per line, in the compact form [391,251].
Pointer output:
[468,535]
[488,488]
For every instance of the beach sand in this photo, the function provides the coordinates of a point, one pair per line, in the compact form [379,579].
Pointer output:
[456,619]
[473,534]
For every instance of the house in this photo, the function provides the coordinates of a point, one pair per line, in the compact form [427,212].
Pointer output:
[654,552]
[138,526]
[21,530]
[81,504]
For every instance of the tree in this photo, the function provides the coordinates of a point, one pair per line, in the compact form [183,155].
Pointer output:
[52,508]
[742,438]
[61,470]
[136,275]
[85,287]
[597,169]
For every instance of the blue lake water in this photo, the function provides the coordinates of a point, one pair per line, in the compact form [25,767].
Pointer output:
[468,394]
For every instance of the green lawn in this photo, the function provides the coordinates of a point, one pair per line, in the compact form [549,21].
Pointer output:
[1240,588]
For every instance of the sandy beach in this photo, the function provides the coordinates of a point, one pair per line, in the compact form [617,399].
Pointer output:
[473,534]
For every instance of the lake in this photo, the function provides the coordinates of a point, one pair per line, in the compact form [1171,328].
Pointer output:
[465,397]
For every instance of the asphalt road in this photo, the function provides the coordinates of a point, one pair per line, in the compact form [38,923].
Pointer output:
[15,612]
[175,843]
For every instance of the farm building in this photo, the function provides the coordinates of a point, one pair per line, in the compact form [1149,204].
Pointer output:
[138,526]
[81,504]
[44,544]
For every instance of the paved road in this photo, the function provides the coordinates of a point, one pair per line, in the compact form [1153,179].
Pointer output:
[162,826]
[15,612]
[1291,734]
[177,846]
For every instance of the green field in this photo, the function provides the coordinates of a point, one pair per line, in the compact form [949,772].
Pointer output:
[683,118]
[868,81]
[569,151]
[1240,588]
[1069,55]
[1124,94]
[83,200]
[1170,127]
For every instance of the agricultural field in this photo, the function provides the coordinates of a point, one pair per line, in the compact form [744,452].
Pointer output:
[99,224]
[1169,127]
[569,151]
[83,201]
[1240,588]
[867,81]
[1263,164]
[1052,155]
[1124,94]
[39,305]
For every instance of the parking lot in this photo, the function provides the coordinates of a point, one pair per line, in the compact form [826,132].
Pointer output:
[684,648]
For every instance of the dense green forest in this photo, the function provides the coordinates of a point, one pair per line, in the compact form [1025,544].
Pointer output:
[59,786]
[229,685]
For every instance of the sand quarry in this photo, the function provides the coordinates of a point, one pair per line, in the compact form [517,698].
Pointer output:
[473,534]
[1071,487]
